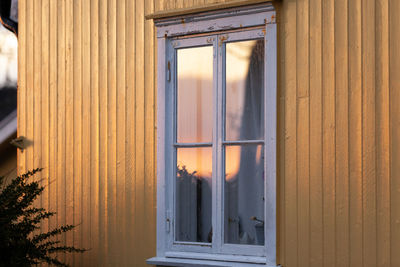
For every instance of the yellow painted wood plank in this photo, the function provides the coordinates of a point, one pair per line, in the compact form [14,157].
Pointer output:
[37,84]
[123,251]
[394,85]
[53,67]
[198,2]
[355,134]
[382,133]
[168,5]
[289,83]
[22,81]
[103,103]
[186,3]
[76,103]
[61,137]
[86,168]
[149,123]
[342,134]
[303,132]
[179,3]
[45,112]
[94,134]
[35,152]
[29,122]
[112,131]
[328,109]
[158,4]
[280,148]
[37,65]
[140,224]
[368,131]
[69,122]
[130,128]
[316,218]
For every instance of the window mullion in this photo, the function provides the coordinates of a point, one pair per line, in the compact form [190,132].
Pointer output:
[219,80]
[215,195]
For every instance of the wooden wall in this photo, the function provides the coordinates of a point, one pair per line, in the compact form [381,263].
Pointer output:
[340,96]
[87,102]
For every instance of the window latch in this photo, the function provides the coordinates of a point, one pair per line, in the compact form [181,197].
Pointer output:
[168,222]
[168,225]
[169,71]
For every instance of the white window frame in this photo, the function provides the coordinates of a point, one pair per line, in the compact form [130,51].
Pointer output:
[213,28]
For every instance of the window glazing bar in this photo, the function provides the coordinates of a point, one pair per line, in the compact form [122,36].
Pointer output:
[243,142]
[192,144]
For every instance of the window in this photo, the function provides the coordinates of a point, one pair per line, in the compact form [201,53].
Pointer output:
[216,174]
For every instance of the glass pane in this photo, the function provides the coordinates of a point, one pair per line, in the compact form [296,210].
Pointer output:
[193,194]
[195,75]
[244,119]
[244,195]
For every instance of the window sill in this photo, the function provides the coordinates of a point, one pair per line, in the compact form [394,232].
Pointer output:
[164,261]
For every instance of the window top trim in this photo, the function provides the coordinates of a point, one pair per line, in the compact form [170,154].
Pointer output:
[219,20]
[163,14]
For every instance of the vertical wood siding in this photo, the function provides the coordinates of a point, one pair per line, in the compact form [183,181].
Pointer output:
[86,102]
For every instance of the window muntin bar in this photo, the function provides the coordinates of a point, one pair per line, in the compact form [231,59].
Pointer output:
[192,144]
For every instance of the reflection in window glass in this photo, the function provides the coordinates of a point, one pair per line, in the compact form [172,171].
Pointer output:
[193,195]
[195,75]
[244,107]
[244,195]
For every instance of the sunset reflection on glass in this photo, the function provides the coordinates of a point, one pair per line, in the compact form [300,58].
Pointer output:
[244,195]
[195,74]
[243,164]
[244,106]
[193,194]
